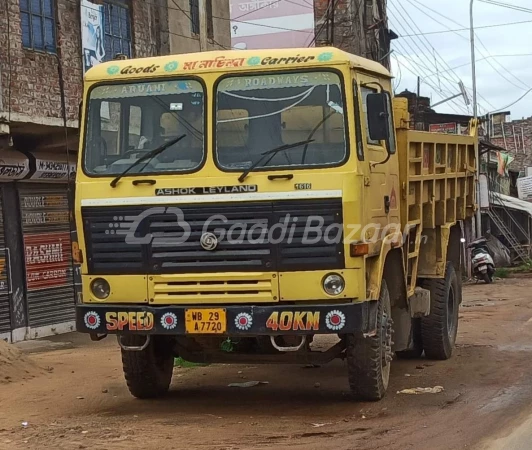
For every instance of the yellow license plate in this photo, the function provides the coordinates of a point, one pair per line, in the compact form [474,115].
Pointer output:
[205,321]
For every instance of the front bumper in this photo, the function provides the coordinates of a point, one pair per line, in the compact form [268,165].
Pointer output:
[240,320]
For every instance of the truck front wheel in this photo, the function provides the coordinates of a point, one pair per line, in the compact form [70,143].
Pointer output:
[369,358]
[148,372]
[440,327]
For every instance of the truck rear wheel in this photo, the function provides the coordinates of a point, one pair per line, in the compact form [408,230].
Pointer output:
[148,373]
[440,327]
[369,359]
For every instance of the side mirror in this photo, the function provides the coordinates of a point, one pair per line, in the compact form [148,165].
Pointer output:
[378,116]
[380,119]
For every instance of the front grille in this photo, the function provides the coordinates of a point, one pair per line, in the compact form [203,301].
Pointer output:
[158,245]
[256,286]
[108,252]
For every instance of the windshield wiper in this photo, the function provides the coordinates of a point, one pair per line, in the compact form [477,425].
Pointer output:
[271,152]
[147,157]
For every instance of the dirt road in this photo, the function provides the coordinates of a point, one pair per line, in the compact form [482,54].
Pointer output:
[78,398]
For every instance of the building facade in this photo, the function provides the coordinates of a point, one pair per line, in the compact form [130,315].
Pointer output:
[515,136]
[47,45]
[356,26]
[184,29]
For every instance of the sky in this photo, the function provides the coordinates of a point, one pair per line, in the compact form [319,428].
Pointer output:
[501,79]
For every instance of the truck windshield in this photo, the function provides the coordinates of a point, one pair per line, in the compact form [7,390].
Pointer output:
[126,121]
[257,113]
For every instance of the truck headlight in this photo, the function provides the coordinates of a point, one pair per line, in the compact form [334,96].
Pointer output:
[100,288]
[333,284]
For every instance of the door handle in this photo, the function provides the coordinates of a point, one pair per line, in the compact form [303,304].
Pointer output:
[386,204]
[287,176]
[139,182]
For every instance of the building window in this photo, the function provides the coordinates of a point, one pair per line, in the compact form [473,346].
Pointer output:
[194,17]
[210,22]
[117,30]
[38,24]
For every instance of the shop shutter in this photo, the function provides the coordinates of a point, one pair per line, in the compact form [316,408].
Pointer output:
[46,234]
[5,314]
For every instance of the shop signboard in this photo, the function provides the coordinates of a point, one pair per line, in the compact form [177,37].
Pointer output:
[448,128]
[524,188]
[92,34]
[259,24]
[47,260]
[52,169]
[13,166]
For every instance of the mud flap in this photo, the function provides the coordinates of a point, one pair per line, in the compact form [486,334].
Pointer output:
[369,317]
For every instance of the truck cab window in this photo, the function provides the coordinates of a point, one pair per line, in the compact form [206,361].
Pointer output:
[125,121]
[259,113]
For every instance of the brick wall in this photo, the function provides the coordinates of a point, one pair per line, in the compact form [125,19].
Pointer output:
[34,79]
[35,94]
[517,140]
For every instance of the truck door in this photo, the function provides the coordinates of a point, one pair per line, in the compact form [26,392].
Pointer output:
[382,187]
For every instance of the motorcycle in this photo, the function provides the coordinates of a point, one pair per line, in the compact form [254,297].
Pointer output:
[482,263]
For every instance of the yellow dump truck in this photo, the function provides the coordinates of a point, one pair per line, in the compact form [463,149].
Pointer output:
[237,206]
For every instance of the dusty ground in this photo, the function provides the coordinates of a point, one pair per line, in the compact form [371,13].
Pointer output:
[79,398]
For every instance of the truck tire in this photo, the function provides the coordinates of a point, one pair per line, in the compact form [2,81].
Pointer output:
[148,373]
[439,328]
[369,358]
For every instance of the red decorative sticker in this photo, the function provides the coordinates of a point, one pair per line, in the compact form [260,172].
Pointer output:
[243,321]
[169,321]
[335,320]
[92,320]
[393,199]
[47,259]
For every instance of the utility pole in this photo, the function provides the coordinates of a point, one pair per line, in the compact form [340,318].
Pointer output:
[478,216]
[418,93]
[202,6]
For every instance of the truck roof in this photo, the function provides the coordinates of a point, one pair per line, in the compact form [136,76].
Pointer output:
[230,61]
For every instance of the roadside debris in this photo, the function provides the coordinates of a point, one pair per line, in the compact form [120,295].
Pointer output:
[248,384]
[318,425]
[24,424]
[317,385]
[419,390]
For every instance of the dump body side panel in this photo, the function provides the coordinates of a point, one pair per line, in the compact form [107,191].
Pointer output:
[437,174]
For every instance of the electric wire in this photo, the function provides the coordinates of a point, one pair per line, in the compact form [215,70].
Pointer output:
[466,38]
[480,27]
[507,5]
[430,47]
[422,65]
[442,94]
